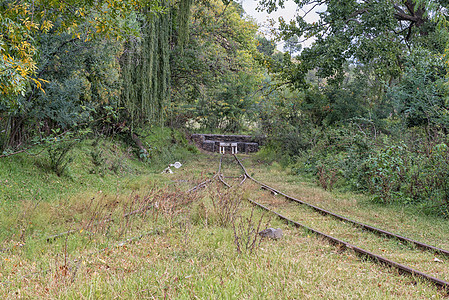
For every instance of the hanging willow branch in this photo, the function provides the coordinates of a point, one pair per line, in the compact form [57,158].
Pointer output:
[183,22]
[146,70]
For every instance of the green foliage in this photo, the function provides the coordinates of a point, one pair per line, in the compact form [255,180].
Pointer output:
[81,77]
[21,21]
[292,45]
[230,105]
[265,46]
[80,72]
[368,33]
[421,95]
[410,176]
[337,157]
[370,106]
[184,22]
[216,73]
[350,157]
[385,172]
[146,71]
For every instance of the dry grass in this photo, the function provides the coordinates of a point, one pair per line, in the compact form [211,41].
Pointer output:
[401,220]
[171,251]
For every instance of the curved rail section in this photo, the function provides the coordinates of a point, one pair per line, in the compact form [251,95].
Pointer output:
[362,252]
[379,231]
[359,251]
[220,175]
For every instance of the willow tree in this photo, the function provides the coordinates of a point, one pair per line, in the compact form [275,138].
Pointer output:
[146,63]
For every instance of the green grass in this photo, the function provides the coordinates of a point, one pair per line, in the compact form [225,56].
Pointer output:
[179,248]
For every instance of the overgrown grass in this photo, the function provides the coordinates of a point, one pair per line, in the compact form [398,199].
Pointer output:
[138,234]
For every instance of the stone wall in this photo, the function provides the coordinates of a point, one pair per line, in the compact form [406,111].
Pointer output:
[211,142]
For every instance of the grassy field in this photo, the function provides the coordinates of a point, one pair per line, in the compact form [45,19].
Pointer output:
[127,231]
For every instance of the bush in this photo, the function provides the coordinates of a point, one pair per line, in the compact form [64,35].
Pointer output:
[398,174]
[385,172]
[58,151]
[337,157]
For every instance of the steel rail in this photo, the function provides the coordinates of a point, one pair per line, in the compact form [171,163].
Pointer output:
[204,183]
[220,175]
[201,184]
[224,182]
[243,180]
[418,244]
[403,269]
[362,252]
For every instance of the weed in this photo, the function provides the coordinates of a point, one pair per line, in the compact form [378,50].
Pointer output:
[58,157]
[225,205]
[246,232]
[199,214]
[58,148]
[24,222]
[98,160]
[327,177]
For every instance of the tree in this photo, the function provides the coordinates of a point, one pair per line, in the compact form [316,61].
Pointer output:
[421,96]
[217,72]
[21,21]
[58,61]
[265,46]
[378,34]
[292,45]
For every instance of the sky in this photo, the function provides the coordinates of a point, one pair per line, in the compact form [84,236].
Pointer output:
[288,12]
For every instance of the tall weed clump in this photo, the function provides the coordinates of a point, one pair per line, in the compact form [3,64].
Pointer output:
[226,210]
[246,232]
[420,176]
[336,158]
[221,207]
[58,148]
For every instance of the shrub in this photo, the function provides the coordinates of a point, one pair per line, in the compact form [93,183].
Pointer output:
[58,150]
[385,171]
[398,174]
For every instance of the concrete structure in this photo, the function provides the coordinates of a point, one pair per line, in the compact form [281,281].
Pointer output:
[224,146]
[227,143]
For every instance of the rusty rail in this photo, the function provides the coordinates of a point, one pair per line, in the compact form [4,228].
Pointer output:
[418,244]
[403,269]
[362,252]
[202,184]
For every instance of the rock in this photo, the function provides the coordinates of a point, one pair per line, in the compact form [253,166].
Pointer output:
[272,233]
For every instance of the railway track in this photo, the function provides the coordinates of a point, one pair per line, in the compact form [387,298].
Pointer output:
[325,215]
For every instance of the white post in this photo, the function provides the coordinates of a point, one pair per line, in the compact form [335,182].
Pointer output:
[234,148]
